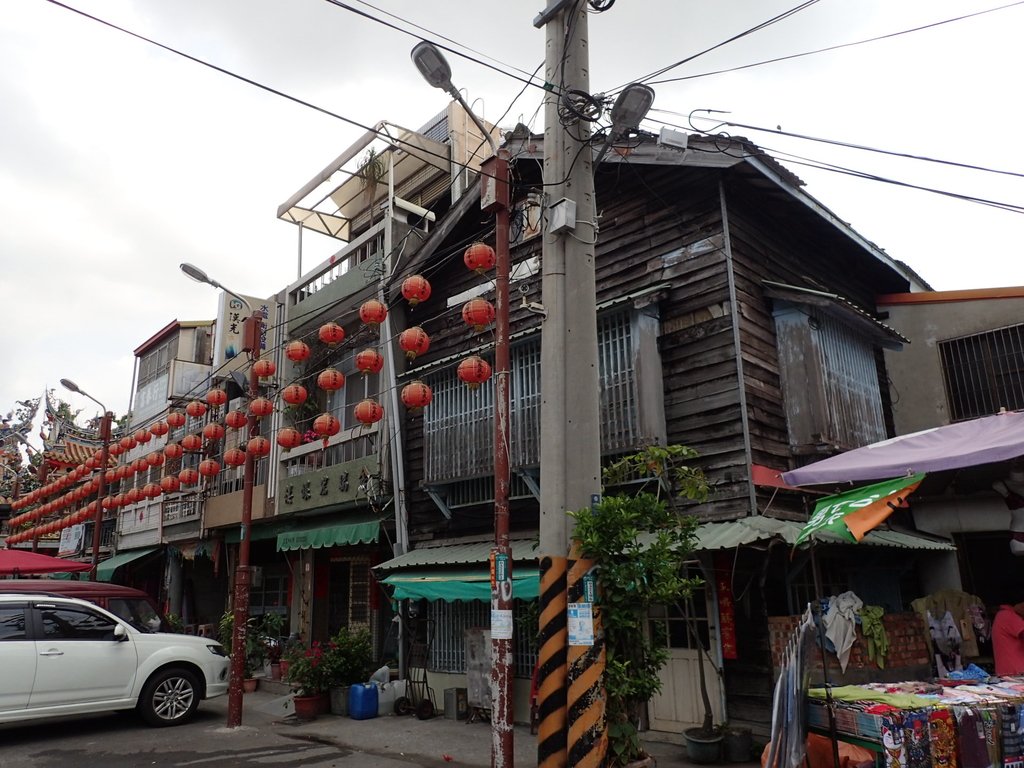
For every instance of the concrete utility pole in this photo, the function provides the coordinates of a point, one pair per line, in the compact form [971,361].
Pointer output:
[570,411]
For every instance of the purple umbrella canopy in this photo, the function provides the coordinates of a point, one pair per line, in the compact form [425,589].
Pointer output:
[964,444]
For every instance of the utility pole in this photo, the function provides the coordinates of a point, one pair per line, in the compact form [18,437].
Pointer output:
[570,410]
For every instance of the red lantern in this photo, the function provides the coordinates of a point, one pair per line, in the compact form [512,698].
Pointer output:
[415,288]
[209,467]
[368,411]
[170,483]
[479,257]
[216,397]
[478,313]
[414,341]
[326,425]
[151,490]
[213,431]
[258,447]
[474,371]
[175,419]
[416,395]
[128,442]
[261,407]
[264,368]
[297,351]
[173,451]
[235,457]
[122,471]
[142,436]
[159,429]
[372,312]
[192,443]
[134,496]
[139,465]
[294,394]
[331,334]
[115,449]
[188,477]
[289,438]
[155,459]
[236,419]
[370,361]
[92,463]
[330,380]
[196,409]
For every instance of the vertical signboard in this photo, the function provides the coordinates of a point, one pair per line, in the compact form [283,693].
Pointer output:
[231,314]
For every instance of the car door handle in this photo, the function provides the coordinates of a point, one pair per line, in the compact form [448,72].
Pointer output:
[51,653]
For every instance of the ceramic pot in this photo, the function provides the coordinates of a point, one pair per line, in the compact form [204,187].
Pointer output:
[702,747]
[306,707]
[275,670]
[249,684]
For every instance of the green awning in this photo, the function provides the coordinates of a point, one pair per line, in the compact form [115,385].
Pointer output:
[449,585]
[337,535]
[105,570]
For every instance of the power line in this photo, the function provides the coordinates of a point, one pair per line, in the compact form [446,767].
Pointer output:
[848,145]
[745,33]
[829,48]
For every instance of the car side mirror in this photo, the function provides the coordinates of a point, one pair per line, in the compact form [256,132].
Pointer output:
[120,633]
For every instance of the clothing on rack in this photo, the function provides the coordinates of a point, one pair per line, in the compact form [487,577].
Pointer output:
[873,630]
[840,624]
[789,731]
[967,611]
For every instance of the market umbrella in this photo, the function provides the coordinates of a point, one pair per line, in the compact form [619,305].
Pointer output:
[964,444]
[19,562]
[853,513]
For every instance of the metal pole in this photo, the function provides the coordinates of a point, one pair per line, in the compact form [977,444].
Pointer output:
[101,488]
[253,332]
[495,178]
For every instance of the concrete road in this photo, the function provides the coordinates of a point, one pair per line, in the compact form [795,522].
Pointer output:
[269,738]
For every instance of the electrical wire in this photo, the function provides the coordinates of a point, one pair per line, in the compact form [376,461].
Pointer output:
[848,145]
[756,28]
[888,36]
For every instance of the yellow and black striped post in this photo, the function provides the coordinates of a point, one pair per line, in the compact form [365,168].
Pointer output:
[551,677]
[588,738]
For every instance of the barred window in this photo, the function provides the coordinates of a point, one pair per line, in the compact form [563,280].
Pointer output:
[983,372]
[451,620]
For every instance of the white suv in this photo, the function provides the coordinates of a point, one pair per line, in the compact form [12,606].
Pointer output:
[62,656]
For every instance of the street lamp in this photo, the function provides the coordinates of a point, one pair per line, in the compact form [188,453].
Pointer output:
[629,109]
[252,332]
[101,488]
[494,197]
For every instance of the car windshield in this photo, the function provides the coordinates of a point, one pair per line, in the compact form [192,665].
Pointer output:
[137,612]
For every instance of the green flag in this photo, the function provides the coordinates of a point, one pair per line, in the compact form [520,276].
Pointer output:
[852,514]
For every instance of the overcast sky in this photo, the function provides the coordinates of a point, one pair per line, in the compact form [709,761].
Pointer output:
[119,160]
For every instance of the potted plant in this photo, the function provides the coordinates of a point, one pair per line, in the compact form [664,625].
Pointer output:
[351,654]
[255,647]
[640,544]
[310,671]
[271,627]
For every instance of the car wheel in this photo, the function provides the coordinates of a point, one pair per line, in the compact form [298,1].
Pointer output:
[170,697]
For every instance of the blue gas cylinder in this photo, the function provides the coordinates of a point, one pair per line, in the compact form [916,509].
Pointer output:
[362,701]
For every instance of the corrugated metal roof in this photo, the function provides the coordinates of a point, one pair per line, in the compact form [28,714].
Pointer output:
[710,536]
[459,554]
[748,530]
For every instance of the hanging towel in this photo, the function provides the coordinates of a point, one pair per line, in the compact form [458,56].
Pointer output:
[892,741]
[840,625]
[873,630]
[942,729]
[916,739]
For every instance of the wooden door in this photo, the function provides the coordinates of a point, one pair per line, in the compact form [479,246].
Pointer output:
[678,705]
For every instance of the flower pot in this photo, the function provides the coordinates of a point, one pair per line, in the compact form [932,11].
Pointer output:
[284,668]
[307,707]
[703,747]
[737,745]
[275,670]
[339,700]
[249,684]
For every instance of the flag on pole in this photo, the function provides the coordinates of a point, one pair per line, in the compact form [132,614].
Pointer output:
[852,514]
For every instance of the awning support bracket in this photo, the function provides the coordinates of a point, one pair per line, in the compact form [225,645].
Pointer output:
[532,481]
[439,502]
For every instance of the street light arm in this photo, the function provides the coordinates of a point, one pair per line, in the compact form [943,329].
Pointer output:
[71,386]
[200,276]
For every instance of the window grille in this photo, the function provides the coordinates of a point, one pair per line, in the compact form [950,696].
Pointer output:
[983,372]
[451,620]
[458,428]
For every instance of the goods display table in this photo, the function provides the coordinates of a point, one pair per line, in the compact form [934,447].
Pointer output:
[948,724]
